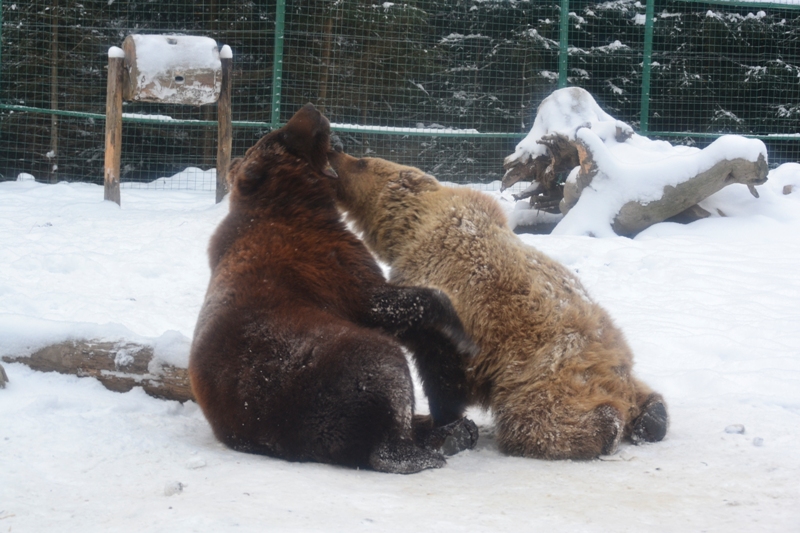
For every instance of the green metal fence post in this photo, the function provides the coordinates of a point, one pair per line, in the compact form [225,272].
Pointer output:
[646,65]
[277,63]
[563,44]
[1,44]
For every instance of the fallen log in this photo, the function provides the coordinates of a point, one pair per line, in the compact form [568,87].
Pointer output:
[119,366]
[636,216]
[678,203]
[643,181]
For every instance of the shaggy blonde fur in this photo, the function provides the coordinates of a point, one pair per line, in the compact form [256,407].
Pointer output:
[553,368]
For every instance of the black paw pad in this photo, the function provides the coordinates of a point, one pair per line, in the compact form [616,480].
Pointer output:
[651,426]
[463,436]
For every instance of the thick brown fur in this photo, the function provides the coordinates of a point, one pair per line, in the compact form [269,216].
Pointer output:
[297,349]
[552,366]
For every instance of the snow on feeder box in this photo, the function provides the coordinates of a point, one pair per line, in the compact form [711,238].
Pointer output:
[167,69]
[172,69]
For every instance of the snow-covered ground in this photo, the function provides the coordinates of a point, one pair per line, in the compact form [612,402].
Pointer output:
[712,311]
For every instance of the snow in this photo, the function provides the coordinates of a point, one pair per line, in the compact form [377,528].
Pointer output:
[160,57]
[440,130]
[710,310]
[116,52]
[159,118]
[631,167]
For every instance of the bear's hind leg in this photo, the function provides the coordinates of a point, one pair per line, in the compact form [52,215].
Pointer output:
[558,430]
[362,409]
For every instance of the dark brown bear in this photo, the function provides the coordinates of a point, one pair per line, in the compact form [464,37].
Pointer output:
[297,349]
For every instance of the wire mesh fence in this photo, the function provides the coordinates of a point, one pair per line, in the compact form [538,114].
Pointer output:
[728,68]
[53,87]
[446,85]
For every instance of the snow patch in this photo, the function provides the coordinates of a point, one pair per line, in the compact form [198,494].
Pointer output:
[709,309]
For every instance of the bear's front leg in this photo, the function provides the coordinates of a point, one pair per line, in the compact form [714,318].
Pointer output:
[449,439]
[426,323]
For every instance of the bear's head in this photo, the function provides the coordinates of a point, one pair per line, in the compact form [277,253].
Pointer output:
[297,152]
[384,200]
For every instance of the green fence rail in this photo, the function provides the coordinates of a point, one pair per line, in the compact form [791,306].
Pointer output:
[449,86]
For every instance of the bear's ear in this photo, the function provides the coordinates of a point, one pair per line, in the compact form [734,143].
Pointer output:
[307,135]
[416,181]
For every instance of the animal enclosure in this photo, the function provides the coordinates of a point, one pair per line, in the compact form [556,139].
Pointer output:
[448,86]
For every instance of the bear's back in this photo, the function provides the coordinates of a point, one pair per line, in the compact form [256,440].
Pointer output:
[465,248]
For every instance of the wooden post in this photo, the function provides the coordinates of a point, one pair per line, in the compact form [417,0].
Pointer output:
[204,80]
[225,129]
[116,58]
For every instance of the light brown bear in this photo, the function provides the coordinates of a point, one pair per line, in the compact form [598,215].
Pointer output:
[554,369]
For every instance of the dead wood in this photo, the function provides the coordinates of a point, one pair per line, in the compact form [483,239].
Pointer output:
[692,214]
[677,203]
[561,156]
[635,216]
[118,366]
[545,170]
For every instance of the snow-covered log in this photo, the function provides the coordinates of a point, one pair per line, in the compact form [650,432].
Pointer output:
[635,181]
[682,199]
[666,198]
[119,366]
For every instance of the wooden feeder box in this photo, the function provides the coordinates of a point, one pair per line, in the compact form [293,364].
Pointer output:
[167,69]
[172,69]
